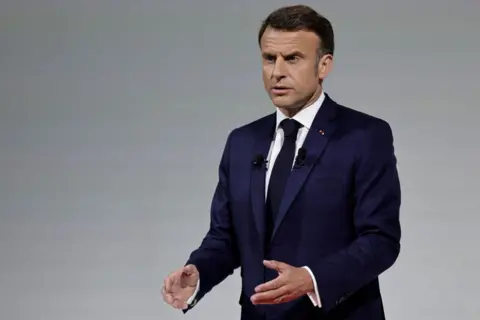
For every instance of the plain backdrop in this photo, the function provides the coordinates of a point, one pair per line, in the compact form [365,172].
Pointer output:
[114,114]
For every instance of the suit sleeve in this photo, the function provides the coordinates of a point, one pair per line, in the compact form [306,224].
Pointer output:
[217,256]
[376,221]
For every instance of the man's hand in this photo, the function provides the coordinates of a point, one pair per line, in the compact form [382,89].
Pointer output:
[290,284]
[180,285]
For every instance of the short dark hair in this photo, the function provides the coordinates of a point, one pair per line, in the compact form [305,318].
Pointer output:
[301,17]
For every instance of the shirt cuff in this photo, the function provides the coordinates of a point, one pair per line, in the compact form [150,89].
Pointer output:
[192,301]
[314,296]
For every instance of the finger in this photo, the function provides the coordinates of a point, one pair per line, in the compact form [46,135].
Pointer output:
[274,284]
[179,304]
[282,299]
[168,298]
[168,283]
[165,294]
[275,265]
[172,280]
[268,296]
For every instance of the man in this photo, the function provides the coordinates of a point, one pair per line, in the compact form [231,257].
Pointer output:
[308,198]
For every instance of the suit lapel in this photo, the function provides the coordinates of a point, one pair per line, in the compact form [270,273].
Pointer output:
[315,143]
[263,140]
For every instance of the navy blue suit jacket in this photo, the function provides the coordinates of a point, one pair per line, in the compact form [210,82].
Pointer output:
[339,216]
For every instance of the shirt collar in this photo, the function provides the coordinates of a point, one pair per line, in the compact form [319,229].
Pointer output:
[305,116]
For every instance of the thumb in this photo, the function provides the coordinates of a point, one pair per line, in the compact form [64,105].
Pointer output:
[190,276]
[189,270]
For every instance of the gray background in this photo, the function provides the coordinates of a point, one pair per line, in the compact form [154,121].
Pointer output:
[113,116]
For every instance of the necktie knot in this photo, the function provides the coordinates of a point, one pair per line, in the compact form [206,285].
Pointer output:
[290,128]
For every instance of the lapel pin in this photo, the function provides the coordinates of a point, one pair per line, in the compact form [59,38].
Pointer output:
[321,132]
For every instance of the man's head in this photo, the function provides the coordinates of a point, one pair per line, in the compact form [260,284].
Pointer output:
[297,47]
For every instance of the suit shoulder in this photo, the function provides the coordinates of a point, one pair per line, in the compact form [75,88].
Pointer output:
[368,132]
[363,121]
[249,129]
[258,123]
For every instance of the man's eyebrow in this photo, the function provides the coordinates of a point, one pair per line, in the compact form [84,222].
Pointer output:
[289,54]
[295,53]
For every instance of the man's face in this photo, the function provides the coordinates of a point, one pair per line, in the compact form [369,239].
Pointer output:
[292,69]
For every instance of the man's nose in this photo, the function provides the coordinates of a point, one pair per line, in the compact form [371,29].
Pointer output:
[279,69]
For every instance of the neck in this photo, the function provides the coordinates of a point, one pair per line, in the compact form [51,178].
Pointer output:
[292,111]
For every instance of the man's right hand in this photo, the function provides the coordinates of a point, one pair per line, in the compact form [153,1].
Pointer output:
[180,285]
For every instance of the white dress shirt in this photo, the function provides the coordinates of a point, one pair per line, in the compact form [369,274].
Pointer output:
[305,117]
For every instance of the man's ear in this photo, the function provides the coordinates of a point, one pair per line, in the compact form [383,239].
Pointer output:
[325,65]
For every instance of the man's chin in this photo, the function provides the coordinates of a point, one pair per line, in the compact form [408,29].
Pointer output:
[283,101]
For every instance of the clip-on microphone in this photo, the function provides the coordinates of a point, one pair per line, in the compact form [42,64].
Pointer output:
[300,159]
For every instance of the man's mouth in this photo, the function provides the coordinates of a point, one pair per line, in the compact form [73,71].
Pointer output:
[280,89]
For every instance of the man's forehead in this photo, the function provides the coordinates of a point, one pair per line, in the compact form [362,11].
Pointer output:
[274,39]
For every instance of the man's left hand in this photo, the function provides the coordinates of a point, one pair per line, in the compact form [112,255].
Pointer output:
[291,283]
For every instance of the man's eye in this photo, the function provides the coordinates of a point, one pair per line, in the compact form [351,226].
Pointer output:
[292,58]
